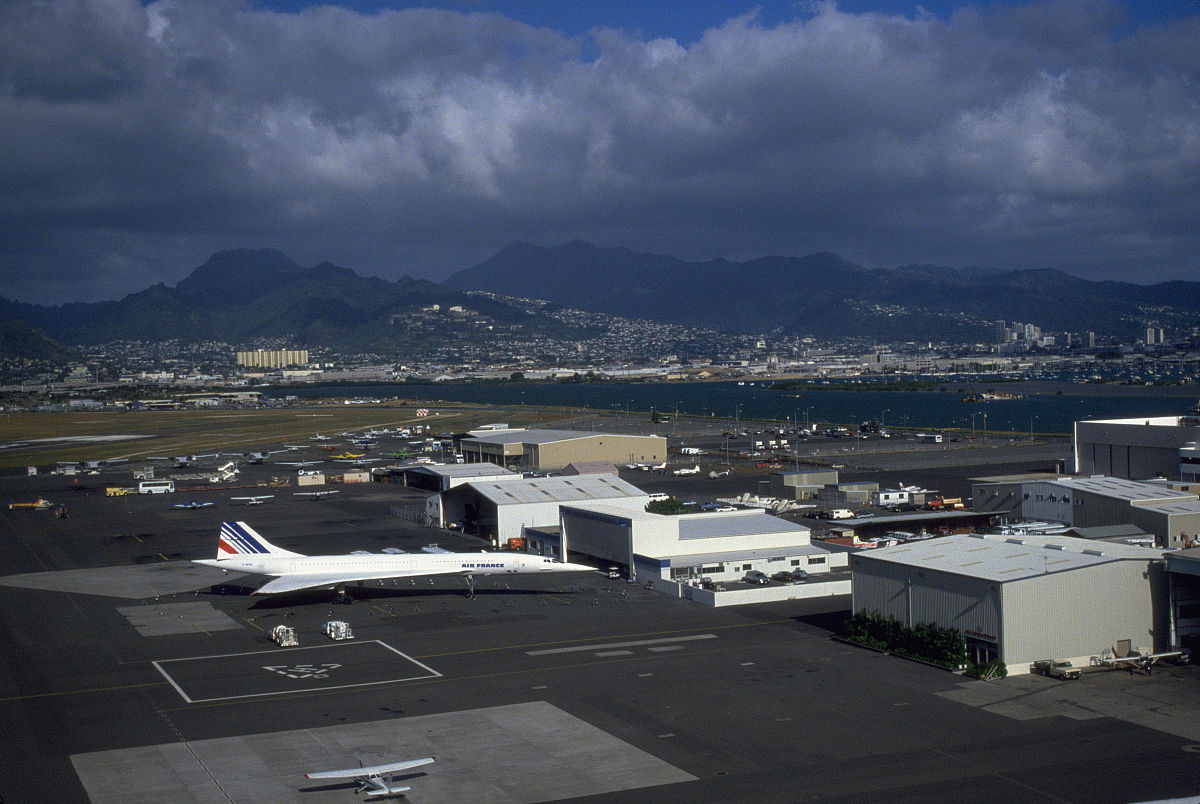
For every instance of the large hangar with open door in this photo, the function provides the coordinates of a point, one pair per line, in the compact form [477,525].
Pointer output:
[499,510]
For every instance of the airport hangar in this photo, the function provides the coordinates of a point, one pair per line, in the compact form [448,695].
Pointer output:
[676,552]
[1139,449]
[498,510]
[551,450]
[1022,599]
[442,476]
[1183,568]
[1172,516]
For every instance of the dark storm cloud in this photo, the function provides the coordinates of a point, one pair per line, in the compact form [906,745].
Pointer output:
[139,139]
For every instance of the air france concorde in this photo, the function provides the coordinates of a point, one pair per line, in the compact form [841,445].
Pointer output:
[241,549]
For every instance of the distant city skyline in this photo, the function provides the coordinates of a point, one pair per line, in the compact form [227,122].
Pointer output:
[397,140]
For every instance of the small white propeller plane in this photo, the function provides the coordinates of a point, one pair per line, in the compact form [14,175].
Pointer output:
[257,500]
[376,780]
[314,495]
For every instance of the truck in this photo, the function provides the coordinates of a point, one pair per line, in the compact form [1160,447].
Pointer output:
[1057,668]
[839,513]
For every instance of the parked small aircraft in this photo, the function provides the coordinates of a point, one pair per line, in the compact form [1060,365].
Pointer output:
[37,505]
[1142,662]
[375,780]
[193,504]
[695,470]
[257,500]
[314,495]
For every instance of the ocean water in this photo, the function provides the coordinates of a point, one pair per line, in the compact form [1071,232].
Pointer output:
[1038,413]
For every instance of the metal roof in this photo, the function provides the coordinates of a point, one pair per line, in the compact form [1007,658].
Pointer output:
[457,470]
[1174,507]
[741,523]
[1007,558]
[1120,489]
[531,436]
[554,489]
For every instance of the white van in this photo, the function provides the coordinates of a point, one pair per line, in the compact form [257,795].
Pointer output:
[156,487]
[659,496]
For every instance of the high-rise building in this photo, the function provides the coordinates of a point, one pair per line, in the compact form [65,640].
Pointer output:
[272,358]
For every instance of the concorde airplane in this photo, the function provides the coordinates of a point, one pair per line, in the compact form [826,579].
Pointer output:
[376,780]
[240,549]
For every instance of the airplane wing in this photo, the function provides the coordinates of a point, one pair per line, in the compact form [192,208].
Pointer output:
[372,770]
[327,580]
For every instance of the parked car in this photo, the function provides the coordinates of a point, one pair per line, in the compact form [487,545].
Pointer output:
[756,577]
[783,577]
[799,575]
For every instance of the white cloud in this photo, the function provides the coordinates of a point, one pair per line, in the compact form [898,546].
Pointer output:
[175,127]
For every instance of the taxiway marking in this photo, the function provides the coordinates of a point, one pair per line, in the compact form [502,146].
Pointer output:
[609,645]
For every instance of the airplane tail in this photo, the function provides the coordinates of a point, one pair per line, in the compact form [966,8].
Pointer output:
[239,539]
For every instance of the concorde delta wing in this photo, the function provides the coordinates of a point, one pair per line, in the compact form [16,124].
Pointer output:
[328,580]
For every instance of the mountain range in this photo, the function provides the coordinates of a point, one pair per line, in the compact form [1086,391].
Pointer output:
[240,295]
[824,295]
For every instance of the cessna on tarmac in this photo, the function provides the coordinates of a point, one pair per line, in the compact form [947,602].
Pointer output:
[376,780]
[240,549]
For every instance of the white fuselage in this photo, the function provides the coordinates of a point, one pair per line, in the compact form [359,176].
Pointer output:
[384,564]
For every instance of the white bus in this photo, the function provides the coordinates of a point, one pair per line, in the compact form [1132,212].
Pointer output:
[156,487]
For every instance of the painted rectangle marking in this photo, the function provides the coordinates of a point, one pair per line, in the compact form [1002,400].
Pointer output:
[342,665]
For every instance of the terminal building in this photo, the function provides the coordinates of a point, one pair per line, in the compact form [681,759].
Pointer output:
[1139,449]
[1022,599]
[552,450]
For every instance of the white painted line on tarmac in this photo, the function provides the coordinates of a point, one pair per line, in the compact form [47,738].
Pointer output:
[606,653]
[635,644]
[665,648]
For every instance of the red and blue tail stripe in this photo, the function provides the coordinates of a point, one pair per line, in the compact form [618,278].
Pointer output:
[238,539]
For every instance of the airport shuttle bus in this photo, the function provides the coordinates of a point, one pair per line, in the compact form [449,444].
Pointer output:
[156,487]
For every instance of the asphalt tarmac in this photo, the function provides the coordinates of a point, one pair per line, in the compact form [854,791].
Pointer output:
[129,675]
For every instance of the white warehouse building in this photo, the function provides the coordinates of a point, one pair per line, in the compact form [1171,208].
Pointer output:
[681,550]
[1022,599]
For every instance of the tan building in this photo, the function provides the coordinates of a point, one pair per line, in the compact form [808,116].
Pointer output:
[272,358]
[552,450]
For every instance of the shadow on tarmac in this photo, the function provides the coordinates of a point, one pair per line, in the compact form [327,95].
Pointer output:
[326,596]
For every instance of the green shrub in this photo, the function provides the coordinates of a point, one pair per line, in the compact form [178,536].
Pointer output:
[925,641]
